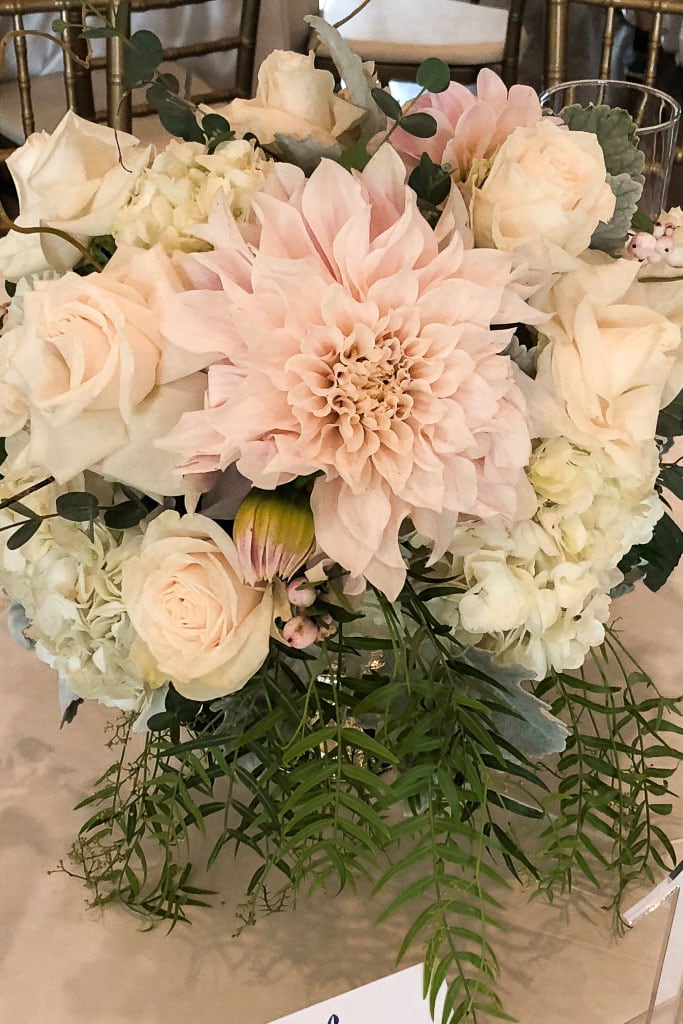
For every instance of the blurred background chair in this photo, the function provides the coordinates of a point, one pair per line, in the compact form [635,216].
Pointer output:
[398,34]
[563,30]
[215,40]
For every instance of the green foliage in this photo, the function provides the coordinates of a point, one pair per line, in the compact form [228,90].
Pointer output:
[430,181]
[305,153]
[612,782]
[384,757]
[615,130]
[387,104]
[657,559]
[670,422]
[77,506]
[143,53]
[420,124]
[351,71]
[433,75]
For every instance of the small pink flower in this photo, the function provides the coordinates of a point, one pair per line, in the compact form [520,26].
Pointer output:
[300,632]
[469,127]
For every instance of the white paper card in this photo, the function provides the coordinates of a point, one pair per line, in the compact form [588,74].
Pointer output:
[397,998]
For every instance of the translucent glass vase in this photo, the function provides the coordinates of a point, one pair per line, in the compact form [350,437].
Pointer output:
[657,116]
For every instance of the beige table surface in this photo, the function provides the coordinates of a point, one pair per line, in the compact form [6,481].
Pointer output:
[61,963]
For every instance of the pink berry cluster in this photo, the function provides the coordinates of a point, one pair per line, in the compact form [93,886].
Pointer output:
[658,246]
[304,629]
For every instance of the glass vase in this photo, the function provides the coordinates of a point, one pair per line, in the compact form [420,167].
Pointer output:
[657,117]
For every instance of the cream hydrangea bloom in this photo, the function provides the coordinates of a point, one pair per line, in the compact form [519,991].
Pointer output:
[177,192]
[70,587]
[537,593]
[79,620]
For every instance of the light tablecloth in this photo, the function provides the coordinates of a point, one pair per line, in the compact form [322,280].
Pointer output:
[61,963]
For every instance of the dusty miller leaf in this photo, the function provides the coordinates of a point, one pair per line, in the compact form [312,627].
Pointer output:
[531,728]
[350,68]
[305,153]
[611,237]
[615,130]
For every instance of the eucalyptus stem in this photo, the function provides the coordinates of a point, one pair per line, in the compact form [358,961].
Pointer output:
[25,493]
[352,14]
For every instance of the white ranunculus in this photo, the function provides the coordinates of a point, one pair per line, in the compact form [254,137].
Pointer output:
[100,382]
[293,97]
[544,196]
[176,193]
[196,618]
[75,179]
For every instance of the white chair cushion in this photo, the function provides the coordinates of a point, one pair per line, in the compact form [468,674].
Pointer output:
[407,31]
[49,105]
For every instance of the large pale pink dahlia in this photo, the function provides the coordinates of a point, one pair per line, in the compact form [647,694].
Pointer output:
[358,344]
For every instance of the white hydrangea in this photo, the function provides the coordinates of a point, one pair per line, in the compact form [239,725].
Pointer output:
[177,192]
[79,620]
[537,593]
[70,586]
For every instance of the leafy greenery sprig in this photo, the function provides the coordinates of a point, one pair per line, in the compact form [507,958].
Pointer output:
[380,757]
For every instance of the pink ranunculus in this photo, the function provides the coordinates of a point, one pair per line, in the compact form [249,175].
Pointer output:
[469,127]
[358,346]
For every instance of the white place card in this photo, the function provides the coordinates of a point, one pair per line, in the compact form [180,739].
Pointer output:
[397,998]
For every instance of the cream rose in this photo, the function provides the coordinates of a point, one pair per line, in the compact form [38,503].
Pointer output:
[545,194]
[75,179]
[293,97]
[99,381]
[185,594]
[604,364]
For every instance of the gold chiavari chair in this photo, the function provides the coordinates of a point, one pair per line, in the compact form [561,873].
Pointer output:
[93,87]
[398,34]
[557,34]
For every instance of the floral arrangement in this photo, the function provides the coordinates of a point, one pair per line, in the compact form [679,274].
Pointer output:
[331,431]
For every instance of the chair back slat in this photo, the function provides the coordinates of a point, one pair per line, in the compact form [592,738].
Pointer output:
[23,77]
[557,34]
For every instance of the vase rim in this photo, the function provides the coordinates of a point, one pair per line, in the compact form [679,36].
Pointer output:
[638,87]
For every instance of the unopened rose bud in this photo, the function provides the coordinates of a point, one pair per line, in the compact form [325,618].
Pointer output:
[300,632]
[273,533]
[301,593]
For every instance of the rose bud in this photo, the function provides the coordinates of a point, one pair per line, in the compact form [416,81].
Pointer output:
[300,632]
[301,593]
[273,534]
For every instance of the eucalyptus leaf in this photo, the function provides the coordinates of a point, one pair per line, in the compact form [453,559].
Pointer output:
[125,515]
[387,104]
[420,125]
[174,113]
[77,506]
[143,53]
[433,75]
[670,422]
[23,534]
[351,71]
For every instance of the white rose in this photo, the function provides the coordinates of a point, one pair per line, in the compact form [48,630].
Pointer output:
[188,602]
[177,193]
[100,381]
[293,97]
[604,364]
[75,179]
[544,196]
